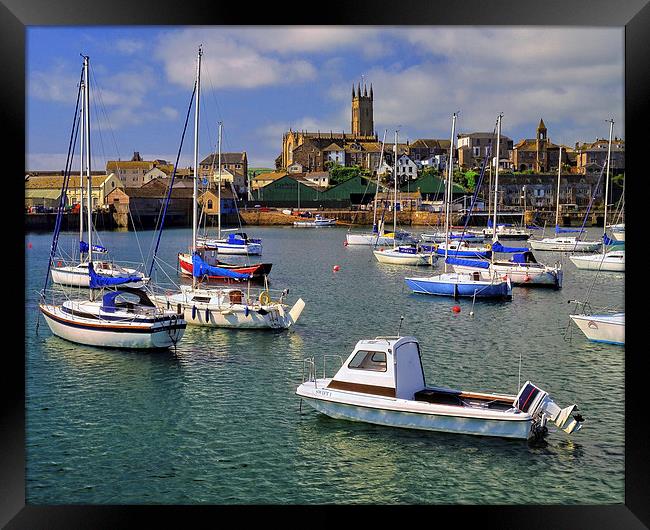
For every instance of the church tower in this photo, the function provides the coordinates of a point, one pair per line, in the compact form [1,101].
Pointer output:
[362,120]
[541,143]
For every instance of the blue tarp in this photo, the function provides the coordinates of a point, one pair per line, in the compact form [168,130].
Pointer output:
[200,268]
[498,247]
[611,242]
[468,263]
[97,281]
[83,247]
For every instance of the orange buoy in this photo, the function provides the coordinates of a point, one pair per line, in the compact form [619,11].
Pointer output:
[336,268]
[456,309]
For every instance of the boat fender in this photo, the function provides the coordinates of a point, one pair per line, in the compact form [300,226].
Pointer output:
[264,298]
[167,304]
[488,246]
[179,309]
[193,312]
[245,311]
[207,314]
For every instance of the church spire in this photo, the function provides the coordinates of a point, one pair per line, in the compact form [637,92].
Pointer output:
[353,96]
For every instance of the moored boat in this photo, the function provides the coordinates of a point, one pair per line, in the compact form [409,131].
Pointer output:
[317,221]
[383,382]
[609,328]
[252,271]
[405,255]
[613,261]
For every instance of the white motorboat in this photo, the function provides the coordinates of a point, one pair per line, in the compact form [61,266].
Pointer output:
[317,221]
[231,308]
[115,321]
[609,328]
[382,382]
[613,261]
[76,275]
[405,255]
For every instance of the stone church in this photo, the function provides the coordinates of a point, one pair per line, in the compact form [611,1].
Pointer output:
[318,151]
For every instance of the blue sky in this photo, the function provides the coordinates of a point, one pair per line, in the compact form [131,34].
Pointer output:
[262,80]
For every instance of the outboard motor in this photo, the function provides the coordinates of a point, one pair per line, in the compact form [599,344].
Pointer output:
[538,404]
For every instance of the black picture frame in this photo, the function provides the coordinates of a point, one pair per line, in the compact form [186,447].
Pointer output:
[16,15]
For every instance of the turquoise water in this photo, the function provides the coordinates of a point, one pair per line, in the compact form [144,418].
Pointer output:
[218,422]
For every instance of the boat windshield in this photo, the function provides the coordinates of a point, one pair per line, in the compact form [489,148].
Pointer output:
[369,360]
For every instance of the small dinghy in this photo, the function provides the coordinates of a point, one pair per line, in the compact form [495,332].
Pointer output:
[382,382]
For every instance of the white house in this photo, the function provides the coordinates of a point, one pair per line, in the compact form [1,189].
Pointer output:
[320,178]
[438,162]
[334,153]
[406,168]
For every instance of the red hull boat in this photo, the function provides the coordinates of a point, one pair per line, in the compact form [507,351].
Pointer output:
[258,270]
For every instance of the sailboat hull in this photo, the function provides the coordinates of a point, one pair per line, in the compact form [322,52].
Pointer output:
[602,328]
[521,274]
[77,275]
[395,257]
[611,261]
[257,270]
[456,285]
[110,334]
[564,245]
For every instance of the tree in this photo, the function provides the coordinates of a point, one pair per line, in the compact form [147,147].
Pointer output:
[340,173]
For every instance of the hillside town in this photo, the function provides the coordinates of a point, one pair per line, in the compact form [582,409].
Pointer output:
[339,170]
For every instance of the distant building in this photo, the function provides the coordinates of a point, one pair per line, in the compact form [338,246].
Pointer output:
[591,157]
[406,168]
[425,149]
[45,190]
[236,165]
[473,148]
[538,154]
[135,172]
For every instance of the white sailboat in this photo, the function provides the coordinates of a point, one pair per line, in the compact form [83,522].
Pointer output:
[562,243]
[523,268]
[602,327]
[478,284]
[76,274]
[612,260]
[122,318]
[402,254]
[224,307]
[382,382]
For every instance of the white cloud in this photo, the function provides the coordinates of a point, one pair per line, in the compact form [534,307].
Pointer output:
[227,62]
[129,46]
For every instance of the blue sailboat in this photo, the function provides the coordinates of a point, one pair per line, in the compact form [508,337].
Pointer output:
[476,284]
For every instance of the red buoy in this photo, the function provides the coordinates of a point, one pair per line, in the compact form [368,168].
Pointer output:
[29,245]
[336,268]
[456,309]
[345,243]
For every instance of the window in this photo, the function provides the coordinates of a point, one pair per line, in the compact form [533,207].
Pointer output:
[209,204]
[369,360]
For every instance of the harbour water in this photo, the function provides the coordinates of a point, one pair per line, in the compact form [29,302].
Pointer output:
[218,421]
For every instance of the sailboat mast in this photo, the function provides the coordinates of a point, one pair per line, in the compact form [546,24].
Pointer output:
[496,181]
[81,174]
[219,187]
[381,159]
[450,174]
[609,153]
[89,205]
[395,203]
[557,206]
[196,156]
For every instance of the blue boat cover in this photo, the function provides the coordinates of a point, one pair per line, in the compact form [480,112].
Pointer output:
[559,230]
[83,247]
[407,250]
[97,281]
[524,257]
[235,239]
[498,247]
[611,242]
[468,262]
[200,268]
